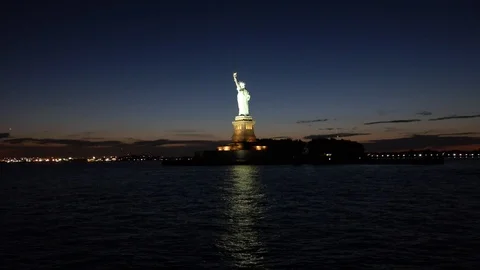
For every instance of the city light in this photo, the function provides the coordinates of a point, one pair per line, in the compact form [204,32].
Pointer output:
[427,154]
[457,155]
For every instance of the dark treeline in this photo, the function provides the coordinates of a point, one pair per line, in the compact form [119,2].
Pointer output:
[316,149]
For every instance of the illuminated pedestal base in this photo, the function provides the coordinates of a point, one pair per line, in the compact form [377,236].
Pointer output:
[243,137]
[243,130]
[243,149]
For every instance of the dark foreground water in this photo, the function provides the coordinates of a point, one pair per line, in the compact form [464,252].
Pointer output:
[143,215]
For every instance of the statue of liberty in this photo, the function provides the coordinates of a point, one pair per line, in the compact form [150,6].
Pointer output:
[242,97]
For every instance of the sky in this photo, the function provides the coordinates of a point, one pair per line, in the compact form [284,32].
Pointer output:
[118,77]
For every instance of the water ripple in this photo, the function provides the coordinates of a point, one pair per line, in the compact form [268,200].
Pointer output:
[146,216]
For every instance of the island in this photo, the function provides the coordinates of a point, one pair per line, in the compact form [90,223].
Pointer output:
[245,148]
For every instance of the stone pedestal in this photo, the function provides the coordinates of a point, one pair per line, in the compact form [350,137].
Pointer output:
[243,129]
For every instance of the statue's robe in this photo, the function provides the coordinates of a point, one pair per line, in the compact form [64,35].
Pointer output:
[242,98]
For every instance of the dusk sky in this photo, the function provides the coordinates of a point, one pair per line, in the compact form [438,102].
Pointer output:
[112,77]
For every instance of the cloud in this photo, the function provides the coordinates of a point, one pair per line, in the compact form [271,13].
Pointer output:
[424,113]
[195,135]
[332,135]
[183,131]
[74,147]
[311,121]
[152,143]
[393,121]
[173,145]
[192,133]
[65,142]
[93,138]
[420,142]
[455,117]
[86,136]
[4,135]
[391,129]
[163,142]
[459,134]
[78,135]
[166,147]
[330,129]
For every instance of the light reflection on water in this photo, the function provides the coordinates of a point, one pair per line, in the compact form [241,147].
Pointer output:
[244,198]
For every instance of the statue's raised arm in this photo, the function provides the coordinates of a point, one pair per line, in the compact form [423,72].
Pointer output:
[236,81]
